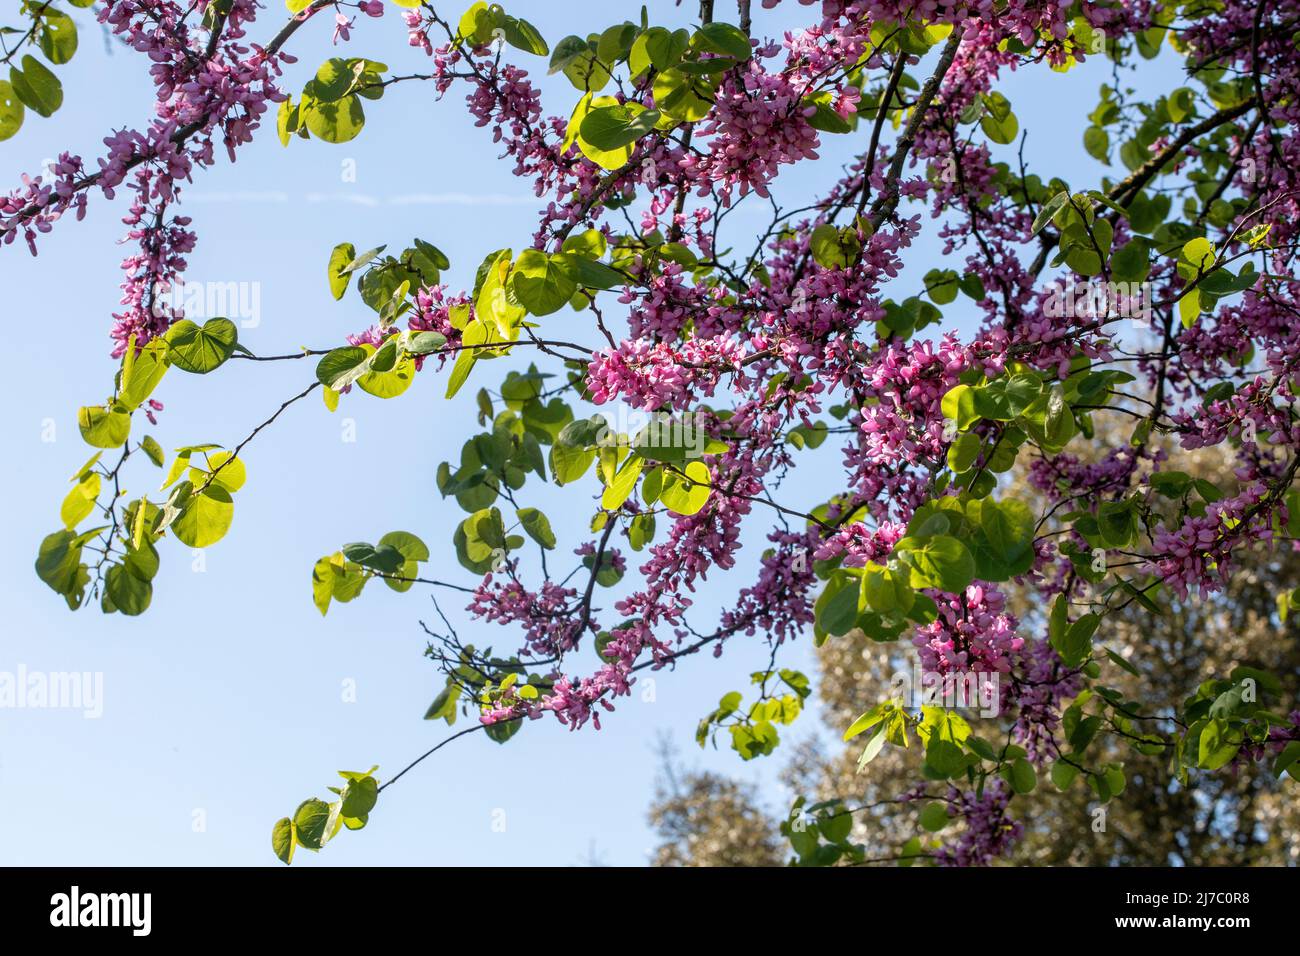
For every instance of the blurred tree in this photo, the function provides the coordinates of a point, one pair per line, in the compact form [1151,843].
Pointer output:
[704,819]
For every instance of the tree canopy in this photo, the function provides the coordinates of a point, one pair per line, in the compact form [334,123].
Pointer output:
[1115,440]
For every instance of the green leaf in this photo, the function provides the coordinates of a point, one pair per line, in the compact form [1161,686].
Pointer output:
[686,495]
[1199,253]
[1083,260]
[359,797]
[569,462]
[998,122]
[408,545]
[80,501]
[618,490]
[1122,663]
[725,39]
[939,561]
[958,406]
[1181,103]
[613,127]
[206,517]
[36,86]
[538,526]
[1022,776]
[288,120]
[935,817]
[141,374]
[524,36]
[641,530]
[1009,528]
[84,470]
[363,260]
[1118,523]
[424,343]
[682,97]
[322,584]
[385,559]
[944,757]
[282,835]
[885,591]
[57,561]
[1189,307]
[566,52]
[1048,210]
[755,740]
[873,748]
[972,286]
[541,283]
[390,382]
[1131,262]
[663,47]
[476,334]
[836,827]
[1134,154]
[143,562]
[337,121]
[1097,143]
[868,720]
[591,274]
[309,823]
[1286,760]
[942,285]
[58,36]
[964,451]
[444,705]
[479,22]
[127,592]
[1218,745]
[201,350]
[1074,644]
[837,607]
[831,248]
[502,731]
[342,366]
[1022,391]
[11,111]
[339,274]
[824,116]
[1063,775]
[103,427]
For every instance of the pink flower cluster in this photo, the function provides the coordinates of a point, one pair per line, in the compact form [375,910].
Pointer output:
[780,603]
[1198,554]
[657,375]
[1039,685]
[544,615]
[759,123]
[972,634]
[989,831]
[860,545]
[153,271]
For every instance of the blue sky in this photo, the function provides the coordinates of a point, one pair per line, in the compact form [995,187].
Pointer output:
[227,697]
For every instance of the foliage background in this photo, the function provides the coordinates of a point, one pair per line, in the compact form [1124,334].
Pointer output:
[703,818]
